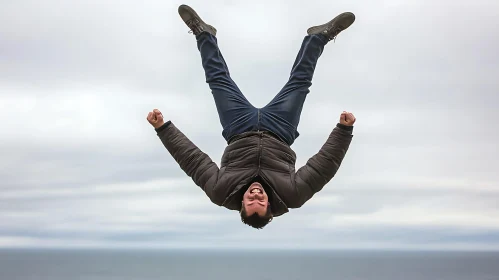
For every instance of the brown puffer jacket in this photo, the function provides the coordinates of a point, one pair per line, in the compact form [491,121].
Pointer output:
[253,154]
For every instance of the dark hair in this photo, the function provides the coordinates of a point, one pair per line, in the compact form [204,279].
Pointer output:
[255,220]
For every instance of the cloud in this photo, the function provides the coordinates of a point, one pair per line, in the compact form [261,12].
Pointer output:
[81,167]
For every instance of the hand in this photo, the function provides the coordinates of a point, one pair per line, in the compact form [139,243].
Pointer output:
[347,118]
[155,118]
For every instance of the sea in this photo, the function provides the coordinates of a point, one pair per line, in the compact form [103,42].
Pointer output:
[245,265]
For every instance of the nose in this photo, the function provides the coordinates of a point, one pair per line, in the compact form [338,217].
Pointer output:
[258,195]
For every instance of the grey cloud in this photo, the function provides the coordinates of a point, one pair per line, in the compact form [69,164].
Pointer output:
[55,167]
[415,236]
[420,77]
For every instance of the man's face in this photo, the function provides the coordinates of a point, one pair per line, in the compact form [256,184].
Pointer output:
[255,200]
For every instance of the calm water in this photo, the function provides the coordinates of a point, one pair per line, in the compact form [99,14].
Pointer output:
[146,265]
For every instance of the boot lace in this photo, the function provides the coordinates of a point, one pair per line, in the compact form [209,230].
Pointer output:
[194,26]
[333,33]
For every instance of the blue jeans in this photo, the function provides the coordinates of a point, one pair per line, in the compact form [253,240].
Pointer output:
[281,115]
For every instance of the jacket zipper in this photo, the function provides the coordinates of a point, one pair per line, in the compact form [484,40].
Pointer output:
[259,150]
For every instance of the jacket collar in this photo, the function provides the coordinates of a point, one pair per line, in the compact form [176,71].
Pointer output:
[233,201]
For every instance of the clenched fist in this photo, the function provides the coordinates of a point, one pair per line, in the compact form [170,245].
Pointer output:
[155,118]
[347,118]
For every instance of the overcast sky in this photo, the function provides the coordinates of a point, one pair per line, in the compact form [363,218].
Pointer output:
[81,167]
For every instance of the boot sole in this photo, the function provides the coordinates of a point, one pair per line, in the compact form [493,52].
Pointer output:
[346,19]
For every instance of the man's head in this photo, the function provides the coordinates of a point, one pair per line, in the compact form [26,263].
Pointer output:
[255,209]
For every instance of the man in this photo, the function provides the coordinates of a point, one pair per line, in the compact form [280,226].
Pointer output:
[257,175]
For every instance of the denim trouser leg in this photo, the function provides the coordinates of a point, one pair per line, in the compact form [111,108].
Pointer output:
[282,114]
[236,113]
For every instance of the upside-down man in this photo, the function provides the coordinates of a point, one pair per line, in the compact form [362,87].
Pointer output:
[257,174]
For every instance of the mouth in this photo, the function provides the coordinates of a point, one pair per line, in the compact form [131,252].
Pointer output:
[257,188]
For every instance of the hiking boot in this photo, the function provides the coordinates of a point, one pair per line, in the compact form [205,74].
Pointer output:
[333,27]
[194,21]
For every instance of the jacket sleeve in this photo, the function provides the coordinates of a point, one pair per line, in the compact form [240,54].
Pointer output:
[322,167]
[194,162]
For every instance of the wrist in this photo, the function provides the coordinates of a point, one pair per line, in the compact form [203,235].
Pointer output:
[158,125]
[344,126]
